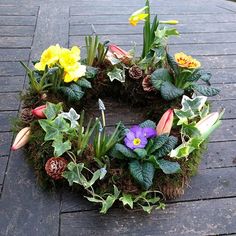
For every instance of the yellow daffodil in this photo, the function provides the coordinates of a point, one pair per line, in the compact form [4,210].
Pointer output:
[186,61]
[74,75]
[49,57]
[169,22]
[137,16]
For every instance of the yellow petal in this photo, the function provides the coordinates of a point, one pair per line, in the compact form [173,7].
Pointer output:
[76,51]
[39,66]
[68,78]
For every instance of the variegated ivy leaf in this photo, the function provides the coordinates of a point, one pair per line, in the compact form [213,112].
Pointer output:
[72,116]
[117,74]
[191,108]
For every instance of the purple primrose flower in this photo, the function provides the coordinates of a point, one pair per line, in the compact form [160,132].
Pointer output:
[137,137]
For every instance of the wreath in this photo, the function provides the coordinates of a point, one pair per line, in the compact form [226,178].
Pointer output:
[136,166]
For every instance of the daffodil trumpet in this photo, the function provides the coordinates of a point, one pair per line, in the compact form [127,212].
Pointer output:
[138,16]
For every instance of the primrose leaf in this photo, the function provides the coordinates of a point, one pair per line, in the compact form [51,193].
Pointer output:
[73,92]
[143,173]
[126,199]
[117,74]
[158,142]
[61,147]
[159,76]
[140,152]
[52,110]
[124,150]
[91,72]
[173,64]
[169,91]
[148,124]
[84,83]
[168,167]
[167,147]
[205,90]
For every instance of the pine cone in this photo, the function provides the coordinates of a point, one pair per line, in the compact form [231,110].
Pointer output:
[55,166]
[135,72]
[26,115]
[147,85]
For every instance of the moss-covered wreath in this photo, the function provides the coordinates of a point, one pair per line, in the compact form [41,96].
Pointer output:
[138,166]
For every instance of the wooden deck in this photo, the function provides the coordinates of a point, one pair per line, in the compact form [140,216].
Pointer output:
[208,32]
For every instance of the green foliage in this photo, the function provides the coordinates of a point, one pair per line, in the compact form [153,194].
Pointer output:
[52,110]
[159,76]
[156,143]
[142,172]
[206,90]
[122,149]
[168,167]
[126,199]
[91,72]
[61,147]
[148,124]
[91,47]
[169,91]
[117,74]
[72,116]
[84,83]
[101,53]
[140,152]
[72,92]
[173,65]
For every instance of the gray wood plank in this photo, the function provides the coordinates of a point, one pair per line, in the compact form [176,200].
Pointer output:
[7,119]
[223,75]
[11,83]
[27,30]
[128,29]
[3,165]
[5,143]
[123,19]
[11,68]
[16,10]
[210,217]
[17,20]
[220,154]
[15,42]
[14,54]
[9,101]
[194,38]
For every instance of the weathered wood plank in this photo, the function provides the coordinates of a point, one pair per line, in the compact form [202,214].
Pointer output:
[11,83]
[9,101]
[17,20]
[230,108]
[110,10]
[16,10]
[14,54]
[3,165]
[15,42]
[195,38]
[6,120]
[211,217]
[123,19]
[223,75]
[5,143]
[124,29]
[27,30]
[220,154]
[11,68]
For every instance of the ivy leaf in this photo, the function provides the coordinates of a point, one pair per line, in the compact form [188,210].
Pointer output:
[190,130]
[143,173]
[117,74]
[205,90]
[173,65]
[124,150]
[126,199]
[140,152]
[52,133]
[84,83]
[52,110]
[72,116]
[159,76]
[168,167]
[73,92]
[61,147]
[148,124]
[167,147]
[169,91]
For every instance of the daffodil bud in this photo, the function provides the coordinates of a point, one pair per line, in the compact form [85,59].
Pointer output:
[169,22]
[21,139]
[165,124]
[39,112]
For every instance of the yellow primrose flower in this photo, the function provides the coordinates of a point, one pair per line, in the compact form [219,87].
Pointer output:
[137,16]
[68,60]
[76,51]
[49,57]
[186,61]
[74,75]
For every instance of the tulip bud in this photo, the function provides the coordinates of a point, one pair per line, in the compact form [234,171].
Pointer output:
[165,124]
[21,138]
[119,53]
[39,112]
[207,122]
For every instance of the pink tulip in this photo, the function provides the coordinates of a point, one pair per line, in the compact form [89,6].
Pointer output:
[21,138]
[165,124]
[119,53]
[39,112]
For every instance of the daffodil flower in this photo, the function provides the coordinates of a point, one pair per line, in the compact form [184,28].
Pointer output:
[169,22]
[137,16]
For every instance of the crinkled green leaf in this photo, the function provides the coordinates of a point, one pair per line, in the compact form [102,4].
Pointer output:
[124,150]
[84,83]
[143,173]
[91,72]
[117,74]
[157,143]
[166,148]
[173,64]
[206,90]
[168,167]
[73,92]
[159,76]
[140,152]
[169,91]
[148,124]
